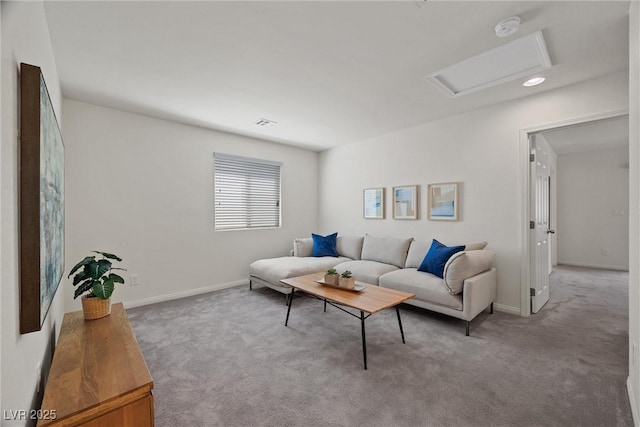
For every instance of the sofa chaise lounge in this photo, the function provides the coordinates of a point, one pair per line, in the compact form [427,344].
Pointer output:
[467,287]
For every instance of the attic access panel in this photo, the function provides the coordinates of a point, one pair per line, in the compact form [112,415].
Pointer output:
[519,58]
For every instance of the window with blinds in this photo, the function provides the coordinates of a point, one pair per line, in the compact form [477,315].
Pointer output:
[246,193]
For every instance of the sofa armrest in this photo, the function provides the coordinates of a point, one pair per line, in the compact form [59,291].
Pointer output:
[464,265]
[479,291]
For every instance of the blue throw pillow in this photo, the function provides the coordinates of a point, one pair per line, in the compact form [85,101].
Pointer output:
[437,257]
[324,245]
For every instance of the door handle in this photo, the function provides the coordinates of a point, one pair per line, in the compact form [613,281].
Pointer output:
[551,231]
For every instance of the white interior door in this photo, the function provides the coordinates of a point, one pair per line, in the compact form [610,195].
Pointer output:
[539,222]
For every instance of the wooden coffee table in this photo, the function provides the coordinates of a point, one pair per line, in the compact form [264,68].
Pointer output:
[370,300]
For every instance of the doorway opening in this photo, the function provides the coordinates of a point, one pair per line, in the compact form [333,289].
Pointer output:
[575,183]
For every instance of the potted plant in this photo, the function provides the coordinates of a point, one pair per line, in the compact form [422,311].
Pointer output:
[94,278]
[347,280]
[331,276]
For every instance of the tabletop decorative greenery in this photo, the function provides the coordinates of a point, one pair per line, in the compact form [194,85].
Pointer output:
[347,280]
[95,277]
[331,276]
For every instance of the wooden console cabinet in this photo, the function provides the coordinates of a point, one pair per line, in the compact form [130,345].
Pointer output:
[98,376]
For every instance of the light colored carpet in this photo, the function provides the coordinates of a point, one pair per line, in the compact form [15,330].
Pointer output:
[226,359]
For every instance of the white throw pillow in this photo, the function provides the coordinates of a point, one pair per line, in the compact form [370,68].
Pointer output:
[475,246]
[302,247]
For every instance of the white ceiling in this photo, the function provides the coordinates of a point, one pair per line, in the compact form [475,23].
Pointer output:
[329,73]
[597,135]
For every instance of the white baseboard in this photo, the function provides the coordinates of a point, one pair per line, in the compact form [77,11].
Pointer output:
[183,294]
[599,266]
[507,309]
[632,403]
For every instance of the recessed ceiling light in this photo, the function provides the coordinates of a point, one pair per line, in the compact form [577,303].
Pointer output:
[534,81]
[508,26]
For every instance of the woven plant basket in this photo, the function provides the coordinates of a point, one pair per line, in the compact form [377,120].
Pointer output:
[95,308]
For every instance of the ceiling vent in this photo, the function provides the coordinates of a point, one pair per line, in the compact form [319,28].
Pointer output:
[522,57]
[265,122]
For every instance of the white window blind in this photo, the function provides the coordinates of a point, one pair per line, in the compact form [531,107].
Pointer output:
[246,192]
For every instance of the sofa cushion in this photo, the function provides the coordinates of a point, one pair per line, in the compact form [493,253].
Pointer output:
[324,245]
[425,286]
[366,271]
[273,270]
[417,251]
[437,257]
[349,246]
[387,250]
[419,248]
[302,247]
[466,264]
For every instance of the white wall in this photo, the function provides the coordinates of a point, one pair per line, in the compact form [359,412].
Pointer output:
[593,207]
[142,188]
[633,382]
[479,148]
[25,38]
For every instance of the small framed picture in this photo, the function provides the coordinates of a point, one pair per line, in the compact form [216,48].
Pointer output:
[443,201]
[373,203]
[405,202]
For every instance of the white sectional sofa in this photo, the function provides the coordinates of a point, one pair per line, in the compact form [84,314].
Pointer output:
[468,285]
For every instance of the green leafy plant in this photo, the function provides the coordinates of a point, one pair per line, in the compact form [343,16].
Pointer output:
[95,277]
[332,271]
[346,274]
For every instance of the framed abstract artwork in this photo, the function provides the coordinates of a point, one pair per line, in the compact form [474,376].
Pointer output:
[41,200]
[405,202]
[373,202]
[443,201]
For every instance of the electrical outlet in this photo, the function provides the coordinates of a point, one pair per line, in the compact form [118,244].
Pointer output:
[135,280]
[39,377]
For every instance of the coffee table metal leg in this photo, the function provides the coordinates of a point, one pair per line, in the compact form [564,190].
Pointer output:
[289,309]
[364,341]
[400,323]
[325,305]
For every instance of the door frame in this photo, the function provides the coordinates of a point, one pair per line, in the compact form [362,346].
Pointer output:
[525,255]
